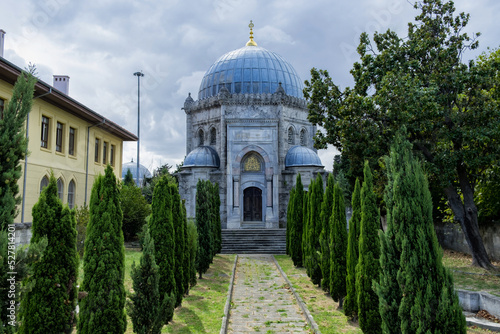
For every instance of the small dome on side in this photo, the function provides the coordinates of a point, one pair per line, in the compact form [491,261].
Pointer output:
[202,156]
[132,166]
[301,156]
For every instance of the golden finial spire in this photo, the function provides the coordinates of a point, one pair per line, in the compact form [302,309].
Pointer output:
[251,42]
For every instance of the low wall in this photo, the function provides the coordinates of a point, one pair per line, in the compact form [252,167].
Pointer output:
[472,301]
[450,236]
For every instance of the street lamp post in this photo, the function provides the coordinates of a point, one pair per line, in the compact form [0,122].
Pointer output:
[138,75]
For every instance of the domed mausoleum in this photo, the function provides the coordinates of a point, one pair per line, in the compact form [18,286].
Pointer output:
[249,132]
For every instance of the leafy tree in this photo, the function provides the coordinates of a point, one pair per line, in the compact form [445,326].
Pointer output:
[423,300]
[26,257]
[324,237]
[50,305]
[146,307]
[338,248]
[203,226]
[368,265]
[129,179]
[102,310]
[150,182]
[297,218]
[135,210]
[449,107]
[192,250]
[178,221]
[161,227]
[350,304]
[13,144]
[313,261]
[82,216]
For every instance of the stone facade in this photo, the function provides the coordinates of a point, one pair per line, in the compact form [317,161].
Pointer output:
[251,134]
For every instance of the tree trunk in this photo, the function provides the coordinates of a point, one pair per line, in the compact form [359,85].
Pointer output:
[466,214]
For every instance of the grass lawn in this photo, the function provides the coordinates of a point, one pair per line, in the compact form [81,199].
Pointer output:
[330,320]
[471,278]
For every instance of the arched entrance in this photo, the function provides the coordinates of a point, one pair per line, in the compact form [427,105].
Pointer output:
[252,204]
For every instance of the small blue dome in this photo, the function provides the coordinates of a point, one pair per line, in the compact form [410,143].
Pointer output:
[251,69]
[132,166]
[202,156]
[298,156]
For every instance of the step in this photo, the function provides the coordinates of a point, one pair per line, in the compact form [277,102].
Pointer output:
[254,241]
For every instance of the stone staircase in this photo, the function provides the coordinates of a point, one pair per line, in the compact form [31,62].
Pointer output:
[254,241]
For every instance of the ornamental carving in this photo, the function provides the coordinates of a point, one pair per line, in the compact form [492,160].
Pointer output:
[252,164]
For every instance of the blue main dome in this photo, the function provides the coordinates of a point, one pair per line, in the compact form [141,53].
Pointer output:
[250,69]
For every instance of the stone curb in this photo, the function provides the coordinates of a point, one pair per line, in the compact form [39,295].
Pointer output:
[303,307]
[484,324]
[225,319]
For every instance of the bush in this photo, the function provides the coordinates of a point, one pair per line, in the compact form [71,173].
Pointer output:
[135,210]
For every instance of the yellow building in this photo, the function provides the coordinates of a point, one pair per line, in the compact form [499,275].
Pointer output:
[65,137]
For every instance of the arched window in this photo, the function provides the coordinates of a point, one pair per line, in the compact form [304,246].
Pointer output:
[44,183]
[303,139]
[213,136]
[201,138]
[60,188]
[291,136]
[71,194]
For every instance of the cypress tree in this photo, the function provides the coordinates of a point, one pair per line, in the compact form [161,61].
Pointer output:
[13,146]
[324,237]
[162,231]
[305,224]
[289,222]
[203,227]
[216,227]
[428,302]
[178,222]
[368,265]
[193,251]
[187,251]
[146,308]
[313,259]
[129,179]
[298,223]
[50,305]
[338,247]
[102,311]
[350,303]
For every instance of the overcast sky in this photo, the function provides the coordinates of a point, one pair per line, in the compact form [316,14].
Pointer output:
[101,43]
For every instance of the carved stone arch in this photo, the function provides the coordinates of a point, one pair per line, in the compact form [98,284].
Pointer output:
[291,135]
[303,137]
[237,168]
[252,162]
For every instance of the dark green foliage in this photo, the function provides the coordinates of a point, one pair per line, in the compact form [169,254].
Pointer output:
[324,237]
[161,227]
[178,221]
[424,299]
[305,224]
[313,260]
[297,218]
[102,310]
[129,179]
[146,307]
[215,211]
[367,269]
[13,145]
[203,226]
[49,306]
[192,242]
[338,248]
[450,107]
[26,257]
[289,221]
[150,183]
[82,216]
[186,250]
[350,303]
[135,210]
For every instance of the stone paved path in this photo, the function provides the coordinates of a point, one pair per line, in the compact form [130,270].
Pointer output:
[261,300]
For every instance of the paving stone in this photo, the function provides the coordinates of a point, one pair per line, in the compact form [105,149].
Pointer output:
[260,301]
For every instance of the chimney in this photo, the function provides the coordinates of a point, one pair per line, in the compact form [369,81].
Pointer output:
[2,39]
[61,83]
